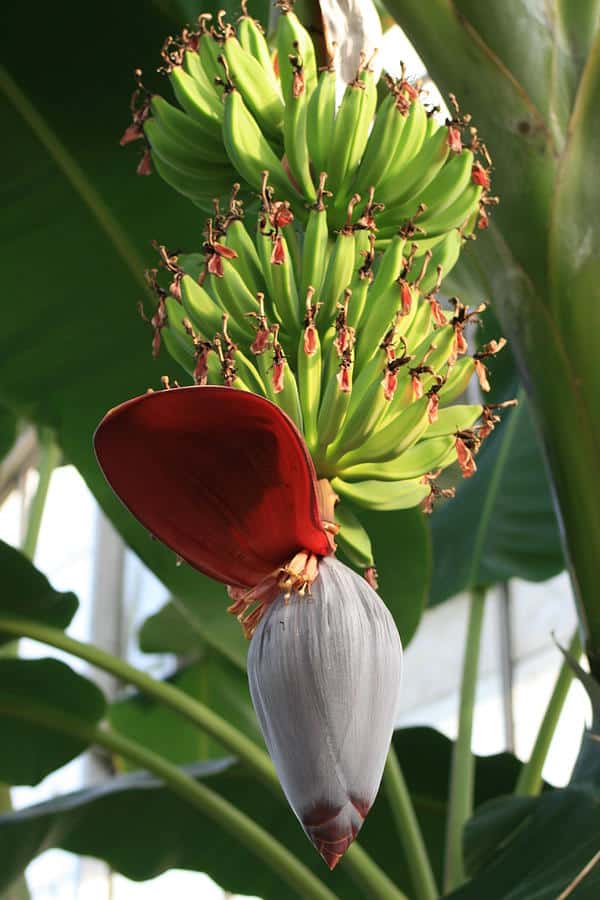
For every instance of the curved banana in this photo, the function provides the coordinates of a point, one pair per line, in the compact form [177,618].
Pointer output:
[383,497]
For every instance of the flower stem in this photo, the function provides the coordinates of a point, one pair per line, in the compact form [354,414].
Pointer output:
[409,830]
[460,804]
[529,782]
[359,864]
[50,455]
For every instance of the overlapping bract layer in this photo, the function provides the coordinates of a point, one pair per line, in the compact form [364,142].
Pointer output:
[324,675]
[237,115]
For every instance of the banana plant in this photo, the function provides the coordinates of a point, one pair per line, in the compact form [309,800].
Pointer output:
[323,364]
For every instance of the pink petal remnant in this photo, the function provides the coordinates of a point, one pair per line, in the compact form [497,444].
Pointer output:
[480,176]
[213,473]
[454,139]
[465,457]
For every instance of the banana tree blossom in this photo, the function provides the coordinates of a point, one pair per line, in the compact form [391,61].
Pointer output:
[224,478]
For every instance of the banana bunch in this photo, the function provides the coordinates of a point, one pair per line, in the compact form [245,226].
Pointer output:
[243,109]
[355,346]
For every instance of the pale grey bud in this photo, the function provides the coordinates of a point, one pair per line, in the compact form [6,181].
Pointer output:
[324,674]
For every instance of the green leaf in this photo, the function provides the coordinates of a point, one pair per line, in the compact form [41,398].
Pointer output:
[542,850]
[141,829]
[540,253]
[173,629]
[215,682]
[402,552]
[39,699]
[26,593]
[73,345]
[493,824]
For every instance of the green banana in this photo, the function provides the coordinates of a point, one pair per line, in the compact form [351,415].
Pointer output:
[396,306]
[351,133]
[200,188]
[413,135]
[284,287]
[252,39]
[456,214]
[352,539]
[185,130]
[416,175]
[383,497]
[295,133]
[339,270]
[361,423]
[309,373]
[383,143]
[201,309]
[195,103]
[294,40]
[444,257]
[459,376]
[248,263]
[391,440]
[446,187]
[454,418]
[320,119]
[336,398]
[176,338]
[316,243]
[426,456]
[209,48]
[175,151]
[248,149]
[283,387]
[260,95]
[192,64]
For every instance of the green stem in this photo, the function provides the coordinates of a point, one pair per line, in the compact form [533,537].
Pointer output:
[211,804]
[460,804]
[409,830]
[50,455]
[529,782]
[359,864]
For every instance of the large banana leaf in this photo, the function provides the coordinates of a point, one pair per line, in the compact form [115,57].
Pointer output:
[141,829]
[530,75]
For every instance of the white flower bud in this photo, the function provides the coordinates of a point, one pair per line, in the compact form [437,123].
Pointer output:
[324,674]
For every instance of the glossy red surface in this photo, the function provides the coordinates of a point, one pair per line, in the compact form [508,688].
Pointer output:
[220,476]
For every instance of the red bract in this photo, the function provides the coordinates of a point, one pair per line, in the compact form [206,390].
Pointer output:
[221,476]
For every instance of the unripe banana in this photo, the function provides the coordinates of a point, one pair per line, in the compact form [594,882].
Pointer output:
[457,213]
[350,134]
[417,174]
[294,40]
[309,373]
[192,64]
[176,338]
[397,305]
[383,497]
[444,257]
[413,135]
[260,95]
[426,456]
[248,263]
[383,143]
[339,270]
[393,439]
[454,418]
[360,425]
[195,103]
[446,187]
[389,268]
[199,188]
[209,49]
[352,539]
[334,405]
[186,131]
[248,149]
[285,290]
[315,247]
[252,39]
[295,133]
[175,151]
[320,120]
[201,309]
[459,376]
